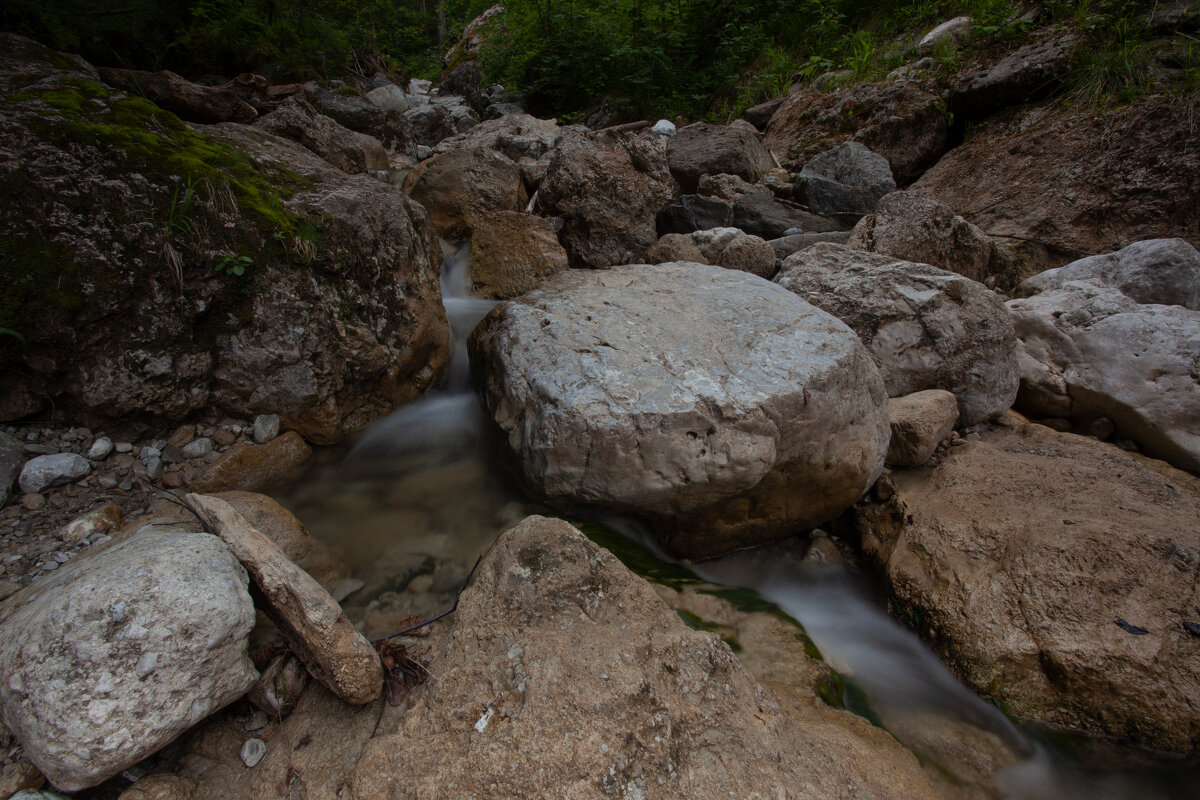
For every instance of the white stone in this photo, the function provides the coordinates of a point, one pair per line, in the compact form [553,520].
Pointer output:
[952,33]
[44,472]
[265,428]
[388,98]
[664,127]
[253,751]
[101,449]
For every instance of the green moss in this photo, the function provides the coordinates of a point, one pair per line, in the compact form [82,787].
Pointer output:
[638,560]
[348,91]
[832,690]
[856,702]
[696,623]
[38,277]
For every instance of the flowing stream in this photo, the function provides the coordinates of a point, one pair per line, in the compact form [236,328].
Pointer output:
[419,497]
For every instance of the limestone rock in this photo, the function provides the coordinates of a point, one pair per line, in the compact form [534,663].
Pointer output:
[607,188]
[848,178]
[550,688]
[925,327]
[704,149]
[951,33]
[513,253]
[1090,350]
[59,469]
[912,227]
[248,467]
[514,135]
[732,249]
[1021,552]
[462,187]
[674,247]
[351,152]
[900,121]
[115,654]
[738,414]
[770,218]
[315,626]
[919,422]
[389,97]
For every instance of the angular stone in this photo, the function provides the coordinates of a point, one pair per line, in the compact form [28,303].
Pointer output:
[765,216]
[265,428]
[45,472]
[704,149]
[919,422]
[848,178]
[69,645]
[513,253]
[99,521]
[248,466]
[101,449]
[349,151]
[461,187]
[694,212]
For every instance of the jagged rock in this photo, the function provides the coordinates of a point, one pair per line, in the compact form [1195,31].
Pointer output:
[765,216]
[925,327]
[847,179]
[461,187]
[390,128]
[694,212]
[191,101]
[1076,182]
[910,226]
[900,121]
[1022,552]
[704,149]
[464,80]
[761,114]
[504,721]
[59,469]
[786,245]
[513,253]
[1090,349]
[951,33]
[740,406]
[248,466]
[732,249]
[674,247]
[607,188]
[351,152]
[316,628]
[919,422]
[116,653]
[514,135]
[1031,72]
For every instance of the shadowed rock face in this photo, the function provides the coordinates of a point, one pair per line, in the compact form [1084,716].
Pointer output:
[711,402]
[703,149]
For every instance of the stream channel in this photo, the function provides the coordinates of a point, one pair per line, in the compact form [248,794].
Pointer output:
[421,495]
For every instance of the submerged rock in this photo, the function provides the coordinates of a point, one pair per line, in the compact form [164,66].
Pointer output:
[706,400]
[115,654]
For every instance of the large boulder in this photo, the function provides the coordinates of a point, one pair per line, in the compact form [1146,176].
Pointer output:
[711,403]
[1030,72]
[764,215]
[925,327]
[704,149]
[1118,336]
[910,226]
[348,108]
[607,188]
[166,275]
[513,253]
[847,179]
[115,654]
[568,677]
[732,249]
[694,212]
[461,187]
[900,121]
[440,119]
[192,101]
[347,150]
[1057,575]
[1075,182]
[515,135]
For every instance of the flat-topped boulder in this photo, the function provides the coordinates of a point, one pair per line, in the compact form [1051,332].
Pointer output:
[715,405]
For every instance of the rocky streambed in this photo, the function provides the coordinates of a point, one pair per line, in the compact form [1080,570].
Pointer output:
[685,349]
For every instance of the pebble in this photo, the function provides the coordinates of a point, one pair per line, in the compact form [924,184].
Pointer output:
[33,501]
[265,428]
[198,448]
[48,566]
[62,557]
[149,452]
[101,449]
[123,447]
[172,480]
[154,468]
[253,751]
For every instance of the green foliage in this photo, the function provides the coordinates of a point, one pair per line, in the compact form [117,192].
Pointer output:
[234,265]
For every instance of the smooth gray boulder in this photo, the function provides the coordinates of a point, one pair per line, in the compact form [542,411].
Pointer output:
[114,655]
[58,469]
[1089,349]
[703,149]
[709,402]
[847,179]
[926,328]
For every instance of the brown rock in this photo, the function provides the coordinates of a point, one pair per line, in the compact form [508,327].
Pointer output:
[910,226]
[919,421]
[900,121]
[348,150]
[94,523]
[254,466]
[173,480]
[160,787]
[1024,552]
[182,435]
[513,253]
[191,101]
[607,188]
[749,254]
[316,628]
[460,188]
[674,247]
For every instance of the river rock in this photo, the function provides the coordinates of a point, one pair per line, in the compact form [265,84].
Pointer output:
[461,187]
[1089,350]
[434,122]
[315,626]
[910,226]
[96,522]
[1021,554]
[513,253]
[349,151]
[704,149]
[12,458]
[900,121]
[847,179]
[674,247]
[607,188]
[770,218]
[741,414]
[694,212]
[45,472]
[732,249]
[347,108]
[101,449]
[925,327]
[552,686]
[248,466]
[514,135]
[117,653]
[388,97]
[919,422]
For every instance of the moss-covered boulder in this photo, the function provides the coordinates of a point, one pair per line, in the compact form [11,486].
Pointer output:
[154,268]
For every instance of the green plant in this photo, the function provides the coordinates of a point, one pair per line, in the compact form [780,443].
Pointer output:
[234,265]
[13,334]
